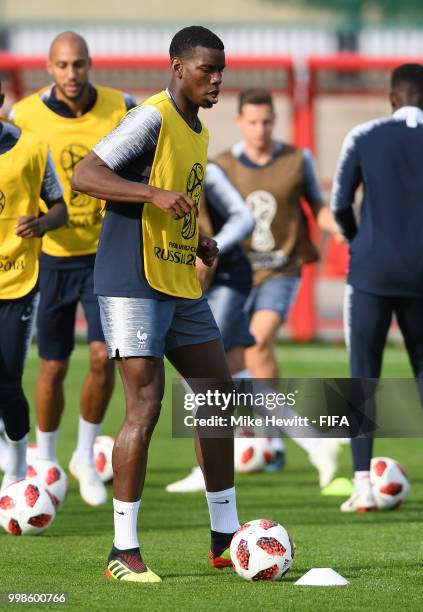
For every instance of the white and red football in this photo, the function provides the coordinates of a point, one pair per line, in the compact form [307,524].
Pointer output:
[262,550]
[26,508]
[52,477]
[103,448]
[389,482]
[252,454]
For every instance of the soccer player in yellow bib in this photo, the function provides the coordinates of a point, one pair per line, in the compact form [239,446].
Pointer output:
[150,170]
[26,174]
[71,116]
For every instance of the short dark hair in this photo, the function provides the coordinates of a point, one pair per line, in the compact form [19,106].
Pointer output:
[408,74]
[254,96]
[193,36]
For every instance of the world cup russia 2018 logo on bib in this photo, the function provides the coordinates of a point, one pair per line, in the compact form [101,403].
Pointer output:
[263,205]
[2,201]
[194,187]
[70,156]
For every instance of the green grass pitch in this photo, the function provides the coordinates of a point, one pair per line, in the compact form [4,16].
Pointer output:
[381,554]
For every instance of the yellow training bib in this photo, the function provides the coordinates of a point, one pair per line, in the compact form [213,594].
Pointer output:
[69,140]
[21,175]
[170,246]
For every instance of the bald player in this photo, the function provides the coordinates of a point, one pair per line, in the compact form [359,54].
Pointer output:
[71,115]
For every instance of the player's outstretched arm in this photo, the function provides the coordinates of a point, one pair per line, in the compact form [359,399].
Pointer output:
[35,227]
[93,177]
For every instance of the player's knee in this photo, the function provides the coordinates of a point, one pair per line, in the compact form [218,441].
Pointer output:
[143,418]
[264,343]
[53,372]
[100,364]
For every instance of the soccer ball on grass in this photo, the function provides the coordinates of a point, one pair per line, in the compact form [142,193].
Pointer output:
[389,482]
[103,448]
[262,550]
[252,454]
[26,508]
[51,476]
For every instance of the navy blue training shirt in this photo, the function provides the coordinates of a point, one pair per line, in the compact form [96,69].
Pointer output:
[386,246]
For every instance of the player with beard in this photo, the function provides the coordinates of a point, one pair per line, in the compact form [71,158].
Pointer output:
[71,116]
[150,170]
[27,173]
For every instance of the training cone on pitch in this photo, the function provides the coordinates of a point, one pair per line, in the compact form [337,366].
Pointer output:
[339,487]
[322,576]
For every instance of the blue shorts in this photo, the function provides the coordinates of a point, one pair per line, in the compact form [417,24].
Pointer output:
[61,290]
[17,322]
[276,293]
[227,305]
[145,327]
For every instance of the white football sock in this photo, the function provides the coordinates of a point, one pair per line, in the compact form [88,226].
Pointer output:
[222,510]
[362,480]
[16,460]
[46,443]
[87,433]
[4,453]
[125,518]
